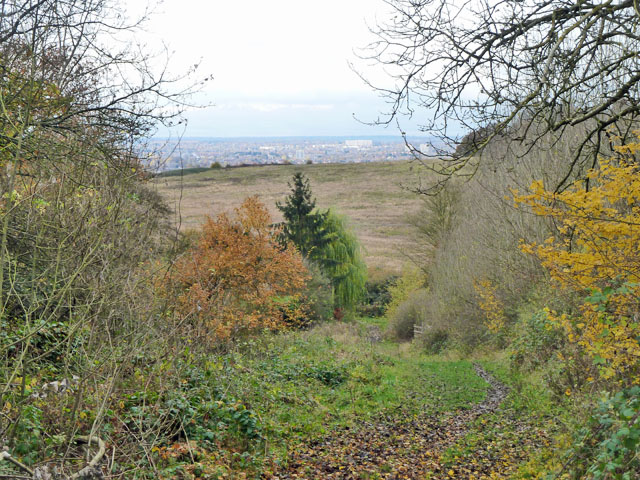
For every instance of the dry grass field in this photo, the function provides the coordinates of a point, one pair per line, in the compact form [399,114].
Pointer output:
[373,196]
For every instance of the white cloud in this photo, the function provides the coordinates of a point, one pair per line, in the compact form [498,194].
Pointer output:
[272,107]
[273,58]
[270,47]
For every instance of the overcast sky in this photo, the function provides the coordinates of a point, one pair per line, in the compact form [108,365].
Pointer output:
[280,67]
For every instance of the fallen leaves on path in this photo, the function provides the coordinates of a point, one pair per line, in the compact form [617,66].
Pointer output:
[480,442]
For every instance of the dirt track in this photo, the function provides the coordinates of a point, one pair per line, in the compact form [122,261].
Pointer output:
[392,448]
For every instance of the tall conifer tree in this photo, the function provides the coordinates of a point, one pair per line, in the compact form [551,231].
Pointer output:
[324,239]
[302,225]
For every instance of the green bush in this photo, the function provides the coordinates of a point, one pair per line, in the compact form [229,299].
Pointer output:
[608,446]
[535,341]
[540,347]
[411,280]
[377,297]
[435,340]
[408,314]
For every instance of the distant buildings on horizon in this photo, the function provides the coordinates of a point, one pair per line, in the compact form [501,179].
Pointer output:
[359,143]
[162,154]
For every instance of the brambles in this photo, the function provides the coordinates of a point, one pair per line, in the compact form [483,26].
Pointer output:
[608,446]
[536,341]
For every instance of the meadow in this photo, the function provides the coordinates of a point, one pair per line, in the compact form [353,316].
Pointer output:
[376,198]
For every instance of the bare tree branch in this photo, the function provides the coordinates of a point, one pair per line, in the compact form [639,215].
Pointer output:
[492,66]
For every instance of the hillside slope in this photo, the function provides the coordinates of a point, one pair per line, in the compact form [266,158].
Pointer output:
[375,197]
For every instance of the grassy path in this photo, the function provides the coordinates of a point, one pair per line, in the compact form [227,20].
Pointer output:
[332,403]
[400,447]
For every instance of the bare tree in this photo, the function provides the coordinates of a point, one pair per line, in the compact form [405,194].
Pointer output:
[523,69]
[77,225]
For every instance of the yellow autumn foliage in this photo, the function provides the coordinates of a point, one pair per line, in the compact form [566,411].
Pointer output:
[597,252]
[490,305]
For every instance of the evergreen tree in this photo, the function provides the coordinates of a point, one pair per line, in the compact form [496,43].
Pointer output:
[325,240]
[302,224]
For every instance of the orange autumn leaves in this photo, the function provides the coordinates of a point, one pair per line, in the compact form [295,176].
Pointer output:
[237,278]
[597,252]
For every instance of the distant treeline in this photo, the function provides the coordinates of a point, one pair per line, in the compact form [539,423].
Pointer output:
[186,171]
[182,171]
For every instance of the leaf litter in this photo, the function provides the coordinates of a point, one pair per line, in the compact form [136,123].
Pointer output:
[484,441]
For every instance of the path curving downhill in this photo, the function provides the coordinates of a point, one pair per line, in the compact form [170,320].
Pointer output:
[409,448]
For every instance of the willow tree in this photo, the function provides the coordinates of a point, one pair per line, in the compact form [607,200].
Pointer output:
[340,259]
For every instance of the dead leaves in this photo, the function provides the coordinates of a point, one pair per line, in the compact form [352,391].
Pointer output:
[493,447]
[388,448]
[468,444]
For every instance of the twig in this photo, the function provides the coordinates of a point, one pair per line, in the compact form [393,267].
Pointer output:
[7,456]
[113,458]
[98,456]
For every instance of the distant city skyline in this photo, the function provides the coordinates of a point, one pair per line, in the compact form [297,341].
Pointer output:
[194,152]
[393,137]
[280,68]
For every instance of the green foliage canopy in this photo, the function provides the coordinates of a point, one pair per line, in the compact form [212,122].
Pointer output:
[340,259]
[302,224]
[325,239]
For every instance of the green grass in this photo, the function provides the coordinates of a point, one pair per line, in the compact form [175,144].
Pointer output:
[520,435]
[528,391]
[304,385]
